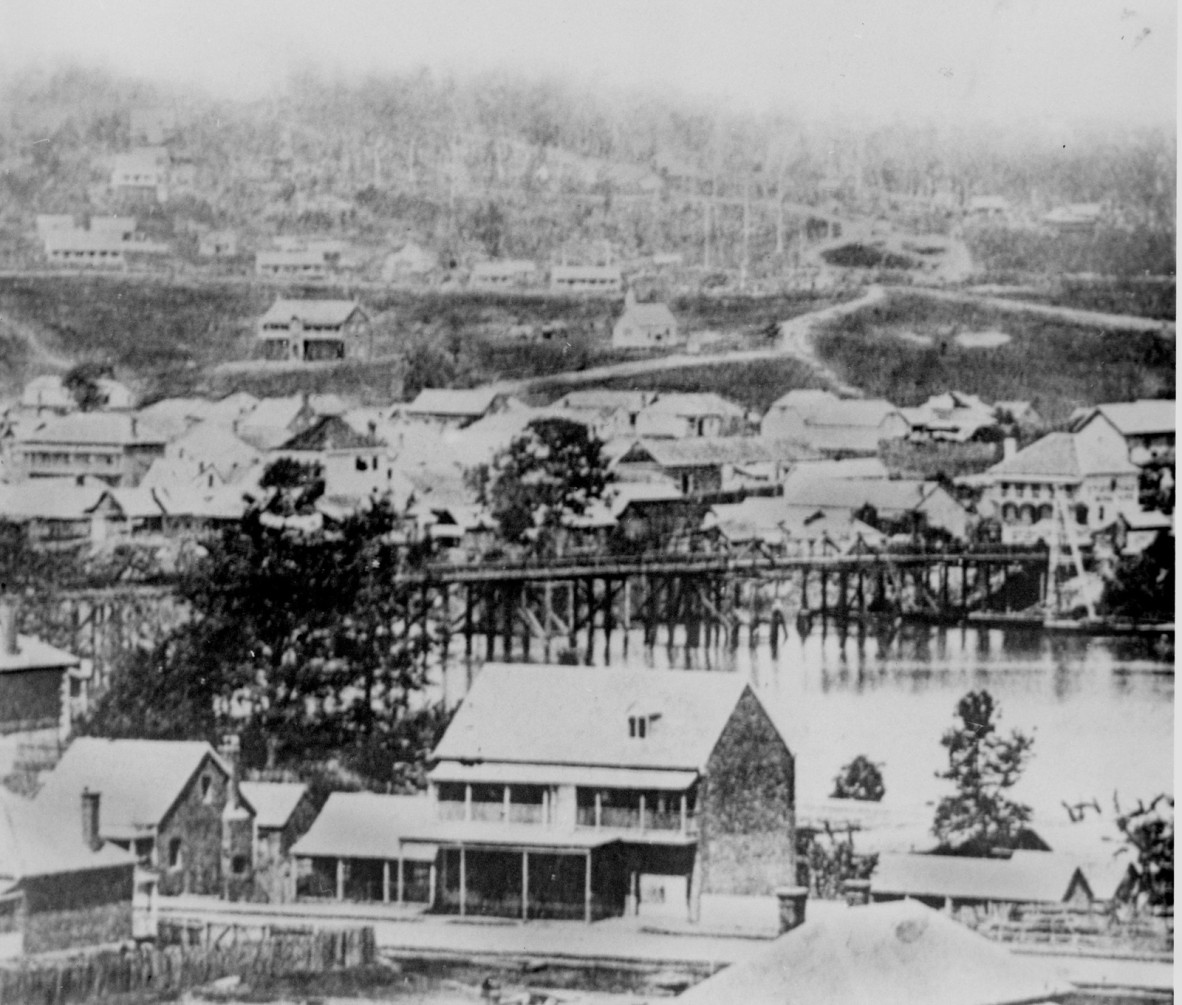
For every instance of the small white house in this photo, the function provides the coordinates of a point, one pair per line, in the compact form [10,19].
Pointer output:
[644,326]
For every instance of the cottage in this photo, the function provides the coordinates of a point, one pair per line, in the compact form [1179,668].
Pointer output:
[902,952]
[773,523]
[608,414]
[38,686]
[454,407]
[313,330]
[1086,476]
[113,446]
[886,501]
[837,427]
[704,465]
[685,415]
[1147,427]
[61,886]
[172,803]
[648,791]
[605,280]
[645,326]
[283,813]
[953,416]
[503,274]
[61,513]
[302,264]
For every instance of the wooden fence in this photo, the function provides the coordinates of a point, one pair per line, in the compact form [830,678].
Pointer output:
[175,968]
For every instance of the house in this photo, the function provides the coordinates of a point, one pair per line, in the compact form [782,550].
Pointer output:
[838,427]
[1088,474]
[61,513]
[609,414]
[646,792]
[37,685]
[301,263]
[1147,426]
[142,174]
[652,515]
[605,280]
[217,450]
[956,881]
[86,249]
[685,415]
[411,262]
[900,953]
[988,209]
[704,465]
[954,416]
[275,420]
[1133,530]
[791,530]
[218,244]
[47,394]
[503,274]
[173,803]
[645,326]
[893,501]
[283,813]
[47,223]
[313,330]
[61,886]
[112,446]
[453,407]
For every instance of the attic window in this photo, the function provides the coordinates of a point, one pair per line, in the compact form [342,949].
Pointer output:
[640,726]
[206,788]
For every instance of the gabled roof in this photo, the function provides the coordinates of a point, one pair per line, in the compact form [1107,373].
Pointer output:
[315,313]
[472,402]
[629,401]
[893,954]
[51,498]
[331,432]
[648,315]
[1136,418]
[885,495]
[710,451]
[273,802]
[576,717]
[695,404]
[1056,456]
[365,825]
[1036,877]
[138,780]
[37,840]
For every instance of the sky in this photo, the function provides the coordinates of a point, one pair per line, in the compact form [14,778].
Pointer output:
[919,60]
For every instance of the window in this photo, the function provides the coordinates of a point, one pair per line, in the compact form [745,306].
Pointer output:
[239,864]
[206,789]
[176,855]
[637,726]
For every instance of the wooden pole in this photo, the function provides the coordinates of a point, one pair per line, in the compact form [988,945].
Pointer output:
[463,882]
[525,886]
[590,598]
[587,889]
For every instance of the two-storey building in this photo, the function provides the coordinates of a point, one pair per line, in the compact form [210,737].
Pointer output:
[312,330]
[1147,426]
[115,447]
[564,792]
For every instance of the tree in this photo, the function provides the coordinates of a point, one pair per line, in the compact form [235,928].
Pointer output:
[300,640]
[825,861]
[1142,587]
[552,471]
[82,381]
[1149,832]
[983,765]
[860,779]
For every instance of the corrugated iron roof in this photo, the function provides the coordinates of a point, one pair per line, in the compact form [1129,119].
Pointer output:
[318,313]
[273,802]
[1026,877]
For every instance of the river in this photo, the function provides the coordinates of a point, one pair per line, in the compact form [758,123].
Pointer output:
[1100,710]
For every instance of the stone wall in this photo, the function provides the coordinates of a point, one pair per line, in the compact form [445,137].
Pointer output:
[196,821]
[747,809]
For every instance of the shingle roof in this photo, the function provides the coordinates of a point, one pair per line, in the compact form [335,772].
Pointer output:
[138,780]
[1141,417]
[37,840]
[580,717]
[1056,455]
[318,313]
[99,428]
[452,401]
[364,825]
[893,954]
[273,802]
[1027,876]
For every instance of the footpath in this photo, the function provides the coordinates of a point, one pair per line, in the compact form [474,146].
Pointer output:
[729,932]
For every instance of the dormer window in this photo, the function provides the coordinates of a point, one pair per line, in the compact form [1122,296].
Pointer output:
[640,726]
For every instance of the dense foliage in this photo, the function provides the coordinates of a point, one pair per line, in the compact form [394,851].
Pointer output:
[983,765]
[824,861]
[299,642]
[1142,586]
[553,471]
[1149,832]
[860,779]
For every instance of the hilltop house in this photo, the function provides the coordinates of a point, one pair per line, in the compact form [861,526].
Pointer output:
[172,803]
[113,446]
[313,330]
[645,325]
[61,887]
[601,279]
[1088,473]
[141,174]
[503,274]
[298,263]
[838,427]
[647,792]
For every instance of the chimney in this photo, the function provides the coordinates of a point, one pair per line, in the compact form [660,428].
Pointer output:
[793,900]
[9,642]
[90,820]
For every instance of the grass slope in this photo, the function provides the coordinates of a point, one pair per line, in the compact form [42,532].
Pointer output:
[1054,365]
